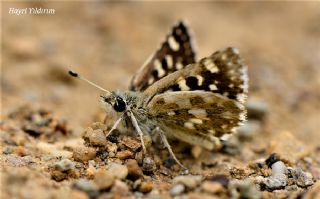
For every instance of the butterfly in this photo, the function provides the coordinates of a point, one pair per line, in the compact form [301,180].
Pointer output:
[173,95]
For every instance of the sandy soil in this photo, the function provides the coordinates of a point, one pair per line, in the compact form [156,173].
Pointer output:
[46,114]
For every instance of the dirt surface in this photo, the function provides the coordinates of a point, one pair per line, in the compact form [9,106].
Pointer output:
[52,139]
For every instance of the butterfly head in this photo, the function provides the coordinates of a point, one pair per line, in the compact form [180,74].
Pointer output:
[114,101]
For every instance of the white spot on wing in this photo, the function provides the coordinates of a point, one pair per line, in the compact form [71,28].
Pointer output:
[200,80]
[189,125]
[212,131]
[226,137]
[179,65]
[169,61]
[224,56]
[213,87]
[151,80]
[224,126]
[171,113]
[159,68]
[241,97]
[210,66]
[196,120]
[183,85]
[242,116]
[229,63]
[174,45]
[199,113]
[244,77]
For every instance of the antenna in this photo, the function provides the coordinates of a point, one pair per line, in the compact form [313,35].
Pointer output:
[73,74]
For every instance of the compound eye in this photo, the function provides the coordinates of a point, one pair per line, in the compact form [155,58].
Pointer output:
[119,105]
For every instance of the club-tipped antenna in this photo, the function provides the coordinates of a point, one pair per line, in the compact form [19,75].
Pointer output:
[73,74]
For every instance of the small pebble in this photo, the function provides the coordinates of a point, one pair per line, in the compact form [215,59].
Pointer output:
[20,140]
[64,165]
[265,171]
[278,168]
[95,137]
[74,174]
[276,181]
[146,187]
[190,181]
[134,171]
[99,125]
[273,182]
[243,189]
[118,170]
[83,154]
[58,175]
[136,184]
[177,189]
[90,171]
[20,151]
[120,188]
[212,187]
[222,179]
[131,143]
[122,155]
[148,164]
[291,188]
[87,186]
[18,161]
[112,149]
[76,194]
[7,150]
[114,136]
[102,154]
[196,151]
[103,179]
[302,179]
[138,194]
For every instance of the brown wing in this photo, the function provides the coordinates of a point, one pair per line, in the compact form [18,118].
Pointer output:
[203,101]
[174,54]
[223,73]
[196,117]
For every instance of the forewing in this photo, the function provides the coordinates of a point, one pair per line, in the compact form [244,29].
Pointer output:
[174,54]
[222,73]
[197,117]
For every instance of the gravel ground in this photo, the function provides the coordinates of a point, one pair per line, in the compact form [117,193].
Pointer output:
[52,137]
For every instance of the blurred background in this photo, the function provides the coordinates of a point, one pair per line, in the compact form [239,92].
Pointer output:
[108,41]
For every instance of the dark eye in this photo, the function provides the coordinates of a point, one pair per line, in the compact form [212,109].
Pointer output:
[119,105]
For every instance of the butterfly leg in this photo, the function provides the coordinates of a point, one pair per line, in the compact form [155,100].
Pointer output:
[114,126]
[167,145]
[136,126]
